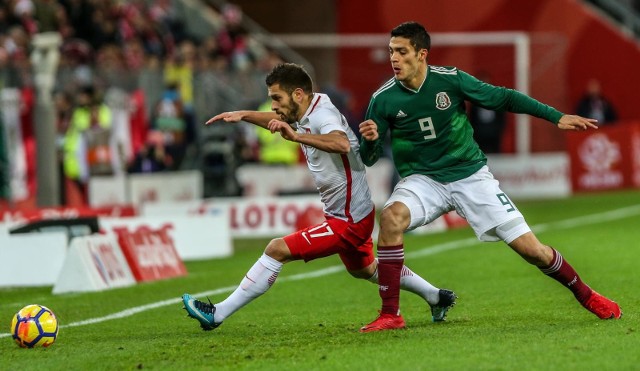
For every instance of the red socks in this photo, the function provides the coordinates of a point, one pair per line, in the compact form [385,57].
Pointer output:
[564,273]
[390,263]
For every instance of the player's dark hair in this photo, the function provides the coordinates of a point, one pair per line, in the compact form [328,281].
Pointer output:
[415,32]
[290,76]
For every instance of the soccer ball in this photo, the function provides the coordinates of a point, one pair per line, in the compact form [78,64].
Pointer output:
[34,325]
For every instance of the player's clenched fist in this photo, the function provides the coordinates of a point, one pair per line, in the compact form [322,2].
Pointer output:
[276,125]
[285,129]
[369,130]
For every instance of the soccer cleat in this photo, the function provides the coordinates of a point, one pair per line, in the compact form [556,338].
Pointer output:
[602,307]
[447,300]
[201,311]
[385,321]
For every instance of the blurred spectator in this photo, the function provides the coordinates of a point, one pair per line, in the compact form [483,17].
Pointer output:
[210,48]
[46,15]
[79,15]
[134,54]
[6,19]
[163,13]
[97,134]
[23,10]
[87,142]
[180,69]
[111,69]
[17,42]
[488,126]
[138,124]
[168,118]
[63,104]
[135,22]
[150,81]
[152,157]
[104,29]
[233,39]
[76,65]
[8,75]
[594,105]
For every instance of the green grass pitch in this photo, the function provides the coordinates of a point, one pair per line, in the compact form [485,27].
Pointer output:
[509,316]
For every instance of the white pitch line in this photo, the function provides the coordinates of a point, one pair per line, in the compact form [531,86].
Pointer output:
[432,250]
[580,221]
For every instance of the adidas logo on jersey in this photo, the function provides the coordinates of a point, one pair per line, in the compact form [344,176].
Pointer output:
[401,114]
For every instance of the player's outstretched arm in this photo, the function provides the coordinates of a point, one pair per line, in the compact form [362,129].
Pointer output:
[258,118]
[234,116]
[333,142]
[576,123]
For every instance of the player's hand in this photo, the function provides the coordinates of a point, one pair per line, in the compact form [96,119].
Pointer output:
[576,123]
[285,129]
[234,116]
[369,130]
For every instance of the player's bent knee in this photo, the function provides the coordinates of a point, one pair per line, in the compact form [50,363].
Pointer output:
[364,273]
[278,250]
[532,250]
[359,274]
[395,217]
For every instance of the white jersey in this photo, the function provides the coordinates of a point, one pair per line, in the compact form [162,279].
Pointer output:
[340,178]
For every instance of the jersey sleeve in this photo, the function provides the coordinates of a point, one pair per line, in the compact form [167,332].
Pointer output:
[326,121]
[499,98]
[370,151]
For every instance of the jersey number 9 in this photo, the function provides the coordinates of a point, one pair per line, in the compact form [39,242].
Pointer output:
[426,125]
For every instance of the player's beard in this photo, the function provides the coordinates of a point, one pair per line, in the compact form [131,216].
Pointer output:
[291,117]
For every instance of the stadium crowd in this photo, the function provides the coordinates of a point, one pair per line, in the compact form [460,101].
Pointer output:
[132,74]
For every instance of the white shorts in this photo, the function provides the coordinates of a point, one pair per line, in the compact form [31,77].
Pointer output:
[477,198]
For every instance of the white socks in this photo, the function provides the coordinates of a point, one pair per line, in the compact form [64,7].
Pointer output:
[257,281]
[411,282]
[265,271]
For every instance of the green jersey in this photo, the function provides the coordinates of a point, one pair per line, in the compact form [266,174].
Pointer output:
[430,131]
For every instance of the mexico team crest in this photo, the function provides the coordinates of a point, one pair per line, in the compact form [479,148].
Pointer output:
[442,101]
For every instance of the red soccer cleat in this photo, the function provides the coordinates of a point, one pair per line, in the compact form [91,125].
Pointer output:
[385,321]
[602,307]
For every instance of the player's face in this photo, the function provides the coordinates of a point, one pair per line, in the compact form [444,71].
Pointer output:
[407,63]
[283,104]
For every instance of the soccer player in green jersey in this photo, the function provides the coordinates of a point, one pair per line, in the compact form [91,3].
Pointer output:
[443,169]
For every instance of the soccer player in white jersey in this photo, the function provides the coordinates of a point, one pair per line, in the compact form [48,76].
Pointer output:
[331,150]
[443,168]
